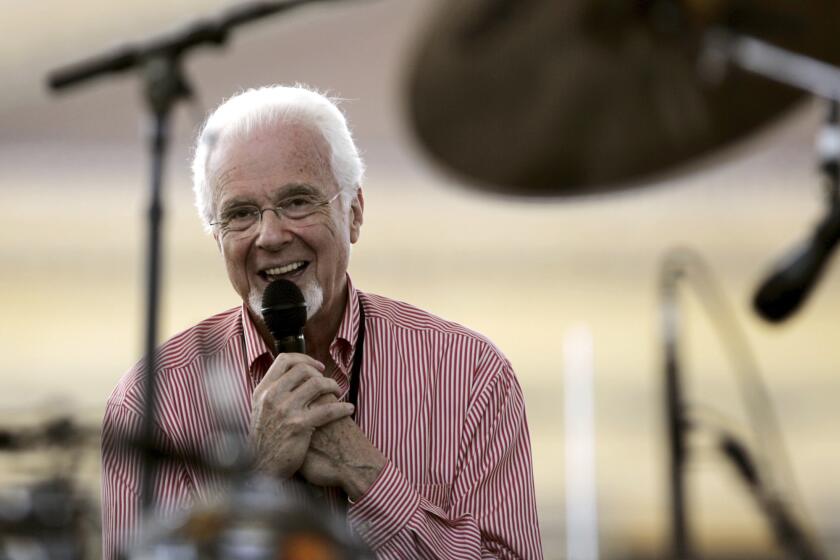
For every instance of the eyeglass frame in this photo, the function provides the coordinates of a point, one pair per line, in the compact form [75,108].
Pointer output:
[278,211]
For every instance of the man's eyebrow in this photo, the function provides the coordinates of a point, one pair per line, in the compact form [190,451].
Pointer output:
[292,189]
[285,191]
[237,201]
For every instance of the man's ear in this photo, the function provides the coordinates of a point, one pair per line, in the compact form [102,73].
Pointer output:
[357,210]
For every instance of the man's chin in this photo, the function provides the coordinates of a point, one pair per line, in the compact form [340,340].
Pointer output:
[313,295]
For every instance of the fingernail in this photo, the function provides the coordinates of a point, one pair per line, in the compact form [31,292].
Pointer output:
[321,366]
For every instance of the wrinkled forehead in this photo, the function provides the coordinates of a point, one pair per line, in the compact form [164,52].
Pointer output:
[270,157]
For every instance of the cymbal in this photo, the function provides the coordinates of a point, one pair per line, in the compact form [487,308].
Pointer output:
[543,97]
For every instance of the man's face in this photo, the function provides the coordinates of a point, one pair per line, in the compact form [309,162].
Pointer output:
[314,252]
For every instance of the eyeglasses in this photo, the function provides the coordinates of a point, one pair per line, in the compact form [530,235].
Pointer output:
[243,218]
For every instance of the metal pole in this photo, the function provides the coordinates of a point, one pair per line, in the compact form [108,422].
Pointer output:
[157,146]
[674,412]
[165,86]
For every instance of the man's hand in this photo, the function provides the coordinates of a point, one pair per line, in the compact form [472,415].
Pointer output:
[340,454]
[284,413]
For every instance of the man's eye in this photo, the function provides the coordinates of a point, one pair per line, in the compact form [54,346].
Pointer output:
[297,202]
[239,213]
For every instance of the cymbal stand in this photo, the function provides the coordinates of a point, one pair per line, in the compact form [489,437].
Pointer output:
[686,267]
[675,419]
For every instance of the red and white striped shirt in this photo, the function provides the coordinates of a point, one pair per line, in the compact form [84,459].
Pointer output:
[440,401]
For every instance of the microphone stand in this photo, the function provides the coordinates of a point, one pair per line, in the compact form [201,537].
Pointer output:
[675,419]
[159,62]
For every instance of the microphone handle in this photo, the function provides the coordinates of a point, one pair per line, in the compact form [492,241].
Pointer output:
[296,343]
[293,343]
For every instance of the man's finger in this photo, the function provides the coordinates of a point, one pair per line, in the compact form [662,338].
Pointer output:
[294,378]
[313,388]
[288,382]
[286,361]
[283,364]
[323,414]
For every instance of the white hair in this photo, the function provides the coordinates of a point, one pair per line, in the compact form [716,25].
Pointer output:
[259,109]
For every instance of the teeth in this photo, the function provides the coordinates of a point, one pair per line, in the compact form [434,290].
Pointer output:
[278,270]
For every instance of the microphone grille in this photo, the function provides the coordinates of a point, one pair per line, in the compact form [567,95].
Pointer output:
[283,309]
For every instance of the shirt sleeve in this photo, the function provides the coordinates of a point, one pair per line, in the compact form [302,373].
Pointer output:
[492,509]
[121,481]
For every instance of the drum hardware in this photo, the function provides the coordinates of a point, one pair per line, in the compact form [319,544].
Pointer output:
[258,518]
[770,487]
[50,517]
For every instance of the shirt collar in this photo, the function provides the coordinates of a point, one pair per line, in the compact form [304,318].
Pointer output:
[344,345]
[255,346]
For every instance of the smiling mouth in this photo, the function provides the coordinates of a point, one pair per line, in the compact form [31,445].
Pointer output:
[277,272]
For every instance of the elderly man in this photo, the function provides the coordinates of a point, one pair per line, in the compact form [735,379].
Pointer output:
[433,459]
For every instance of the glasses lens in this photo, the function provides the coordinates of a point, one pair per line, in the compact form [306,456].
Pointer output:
[240,219]
[300,206]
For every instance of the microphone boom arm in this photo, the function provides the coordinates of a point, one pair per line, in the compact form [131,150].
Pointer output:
[201,32]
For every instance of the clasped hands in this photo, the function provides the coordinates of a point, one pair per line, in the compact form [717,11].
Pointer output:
[299,426]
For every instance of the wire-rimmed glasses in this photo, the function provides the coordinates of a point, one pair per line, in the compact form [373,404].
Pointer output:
[241,218]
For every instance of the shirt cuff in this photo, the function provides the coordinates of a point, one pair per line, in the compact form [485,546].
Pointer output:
[385,508]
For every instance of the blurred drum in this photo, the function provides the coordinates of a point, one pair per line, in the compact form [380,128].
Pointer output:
[45,521]
[256,520]
[45,512]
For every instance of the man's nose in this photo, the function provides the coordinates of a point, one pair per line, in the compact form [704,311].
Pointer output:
[273,229]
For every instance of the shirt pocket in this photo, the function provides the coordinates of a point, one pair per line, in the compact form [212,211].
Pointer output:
[437,494]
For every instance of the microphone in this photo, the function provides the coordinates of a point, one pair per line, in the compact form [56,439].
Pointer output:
[788,286]
[284,312]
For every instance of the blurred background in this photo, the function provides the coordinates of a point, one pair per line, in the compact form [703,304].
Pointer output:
[73,187]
